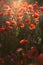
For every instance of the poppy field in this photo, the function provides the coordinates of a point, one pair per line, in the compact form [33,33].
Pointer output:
[21,33]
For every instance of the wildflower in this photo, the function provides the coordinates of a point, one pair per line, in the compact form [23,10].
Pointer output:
[35,15]
[7,8]
[35,4]
[25,4]
[36,11]
[40,58]
[7,23]
[32,53]
[19,49]
[1,13]
[20,14]
[11,23]
[10,27]
[30,7]
[6,29]
[28,21]
[23,41]
[22,25]
[2,29]
[41,8]
[36,20]
[32,26]
[10,12]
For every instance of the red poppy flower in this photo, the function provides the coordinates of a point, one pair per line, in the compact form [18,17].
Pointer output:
[23,41]
[10,27]
[7,23]
[41,8]
[36,20]
[22,25]
[10,12]
[35,4]
[32,53]
[1,13]
[10,24]
[40,58]
[32,26]
[36,15]
[2,29]
[28,21]
[36,11]
[6,29]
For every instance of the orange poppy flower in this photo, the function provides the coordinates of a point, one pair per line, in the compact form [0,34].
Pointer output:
[22,25]
[30,7]
[32,26]
[25,4]
[23,41]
